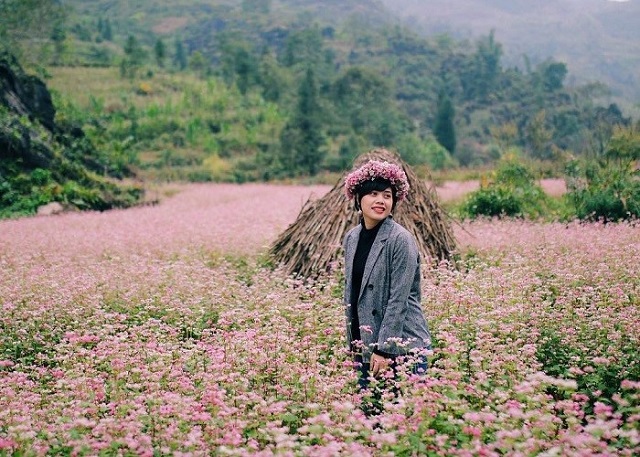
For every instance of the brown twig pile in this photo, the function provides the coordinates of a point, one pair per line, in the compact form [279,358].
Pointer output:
[313,243]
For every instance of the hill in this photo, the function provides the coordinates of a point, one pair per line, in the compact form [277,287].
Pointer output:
[598,39]
[183,16]
[373,83]
[284,89]
[43,160]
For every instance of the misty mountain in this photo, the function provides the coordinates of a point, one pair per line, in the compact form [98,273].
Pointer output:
[598,39]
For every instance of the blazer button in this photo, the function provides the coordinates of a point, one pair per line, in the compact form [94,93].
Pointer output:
[374,312]
[370,286]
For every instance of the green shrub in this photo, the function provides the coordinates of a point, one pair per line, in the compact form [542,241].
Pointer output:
[610,197]
[493,201]
[418,152]
[512,193]
[608,188]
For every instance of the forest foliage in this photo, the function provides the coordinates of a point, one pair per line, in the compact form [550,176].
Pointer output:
[599,40]
[221,91]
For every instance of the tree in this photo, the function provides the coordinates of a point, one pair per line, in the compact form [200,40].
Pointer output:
[483,70]
[256,6]
[608,188]
[365,104]
[246,70]
[58,36]
[160,52]
[359,93]
[444,129]
[26,26]
[553,74]
[179,57]
[539,136]
[349,150]
[624,147]
[505,135]
[602,127]
[304,49]
[273,79]
[134,57]
[106,34]
[239,64]
[302,139]
[198,63]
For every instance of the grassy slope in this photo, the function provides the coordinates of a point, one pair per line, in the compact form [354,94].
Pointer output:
[175,113]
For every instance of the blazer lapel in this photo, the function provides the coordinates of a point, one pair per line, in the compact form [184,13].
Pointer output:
[350,253]
[376,249]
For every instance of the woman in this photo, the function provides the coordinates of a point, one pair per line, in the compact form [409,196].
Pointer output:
[382,274]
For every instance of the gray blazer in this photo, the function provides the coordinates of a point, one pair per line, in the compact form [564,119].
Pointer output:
[389,308]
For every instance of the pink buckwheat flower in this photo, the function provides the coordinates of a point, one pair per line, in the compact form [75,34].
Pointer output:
[377,169]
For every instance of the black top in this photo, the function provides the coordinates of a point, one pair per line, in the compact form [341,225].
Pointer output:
[365,241]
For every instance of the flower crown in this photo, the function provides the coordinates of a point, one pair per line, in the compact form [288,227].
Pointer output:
[376,169]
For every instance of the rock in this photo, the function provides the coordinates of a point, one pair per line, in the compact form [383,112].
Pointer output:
[50,209]
[24,94]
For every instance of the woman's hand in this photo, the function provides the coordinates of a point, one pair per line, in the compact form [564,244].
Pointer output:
[378,364]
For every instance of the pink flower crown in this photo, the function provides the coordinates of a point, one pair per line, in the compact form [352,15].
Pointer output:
[376,169]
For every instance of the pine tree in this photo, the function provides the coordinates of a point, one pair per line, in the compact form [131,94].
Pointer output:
[444,129]
[198,63]
[246,70]
[58,36]
[310,125]
[302,140]
[134,56]
[160,52]
[180,57]
[272,78]
[107,34]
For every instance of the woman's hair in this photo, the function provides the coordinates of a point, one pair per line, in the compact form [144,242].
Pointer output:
[377,184]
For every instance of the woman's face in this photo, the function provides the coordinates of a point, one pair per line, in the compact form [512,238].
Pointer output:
[376,206]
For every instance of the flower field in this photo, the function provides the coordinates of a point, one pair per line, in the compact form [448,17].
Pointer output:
[162,330]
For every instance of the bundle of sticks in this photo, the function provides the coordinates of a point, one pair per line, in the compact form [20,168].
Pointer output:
[312,244]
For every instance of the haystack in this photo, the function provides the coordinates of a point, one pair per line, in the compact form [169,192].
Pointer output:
[313,243]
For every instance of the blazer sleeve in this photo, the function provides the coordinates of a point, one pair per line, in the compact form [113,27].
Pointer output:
[403,263]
